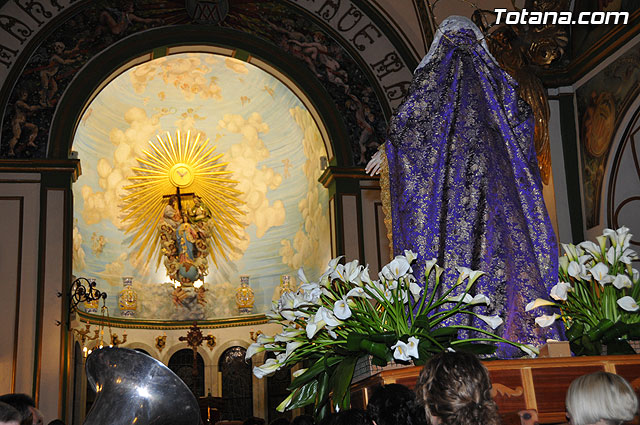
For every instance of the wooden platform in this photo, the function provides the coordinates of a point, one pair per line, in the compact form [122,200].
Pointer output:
[539,384]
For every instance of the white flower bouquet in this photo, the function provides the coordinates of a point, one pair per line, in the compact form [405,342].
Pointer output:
[597,295]
[329,324]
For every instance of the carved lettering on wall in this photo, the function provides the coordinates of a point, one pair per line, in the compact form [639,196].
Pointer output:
[35,10]
[7,55]
[15,27]
[360,32]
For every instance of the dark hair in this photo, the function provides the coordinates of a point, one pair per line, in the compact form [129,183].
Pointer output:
[56,422]
[9,413]
[280,421]
[455,387]
[395,404]
[254,421]
[303,420]
[22,403]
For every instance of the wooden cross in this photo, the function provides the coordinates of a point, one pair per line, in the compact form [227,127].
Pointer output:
[194,339]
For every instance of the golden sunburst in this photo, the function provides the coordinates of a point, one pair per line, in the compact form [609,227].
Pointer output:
[184,169]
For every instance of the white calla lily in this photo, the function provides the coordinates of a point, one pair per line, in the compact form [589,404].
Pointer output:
[628,304]
[492,321]
[301,276]
[591,248]
[322,318]
[412,347]
[480,299]
[428,265]
[358,292]
[341,309]
[410,255]
[401,351]
[264,339]
[622,281]
[291,347]
[464,272]
[539,302]
[546,320]
[285,403]
[530,350]
[600,273]
[253,349]
[415,290]
[299,372]
[464,298]
[560,290]
[397,268]
[268,368]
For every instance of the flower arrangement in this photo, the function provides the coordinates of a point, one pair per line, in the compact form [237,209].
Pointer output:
[331,323]
[597,295]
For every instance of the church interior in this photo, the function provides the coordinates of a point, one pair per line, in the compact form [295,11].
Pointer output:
[247,126]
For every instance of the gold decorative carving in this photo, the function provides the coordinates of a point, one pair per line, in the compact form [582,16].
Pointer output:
[505,391]
[161,342]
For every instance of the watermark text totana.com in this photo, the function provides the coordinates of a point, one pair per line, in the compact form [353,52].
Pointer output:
[525,17]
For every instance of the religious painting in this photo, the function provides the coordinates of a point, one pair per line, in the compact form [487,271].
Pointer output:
[171,121]
[602,103]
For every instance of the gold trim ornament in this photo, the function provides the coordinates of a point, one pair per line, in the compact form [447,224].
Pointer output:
[244,296]
[128,298]
[183,208]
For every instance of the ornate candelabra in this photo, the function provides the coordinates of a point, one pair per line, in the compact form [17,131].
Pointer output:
[84,290]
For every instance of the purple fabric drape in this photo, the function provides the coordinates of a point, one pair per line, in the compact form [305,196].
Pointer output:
[464,185]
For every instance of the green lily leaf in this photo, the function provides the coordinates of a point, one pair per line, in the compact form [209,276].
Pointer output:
[353,341]
[313,371]
[615,332]
[385,338]
[322,403]
[422,322]
[619,347]
[575,331]
[341,379]
[445,331]
[596,333]
[377,349]
[304,395]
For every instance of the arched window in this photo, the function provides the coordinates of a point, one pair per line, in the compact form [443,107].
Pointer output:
[277,391]
[181,363]
[237,390]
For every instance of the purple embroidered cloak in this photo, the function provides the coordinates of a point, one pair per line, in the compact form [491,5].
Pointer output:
[464,185]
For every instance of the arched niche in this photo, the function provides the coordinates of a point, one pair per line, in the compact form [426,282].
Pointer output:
[281,141]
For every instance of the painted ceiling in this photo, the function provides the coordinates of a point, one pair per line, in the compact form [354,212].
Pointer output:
[273,148]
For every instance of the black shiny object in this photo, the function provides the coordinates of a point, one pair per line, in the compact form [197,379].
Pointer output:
[134,388]
[79,292]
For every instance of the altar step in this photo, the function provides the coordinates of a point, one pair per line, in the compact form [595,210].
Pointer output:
[523,384]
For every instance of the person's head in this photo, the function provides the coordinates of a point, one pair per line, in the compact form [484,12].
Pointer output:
[394,404]
[601,398]
[24,405]
[56,422]
[9,415]
[455,389]
[303,420]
